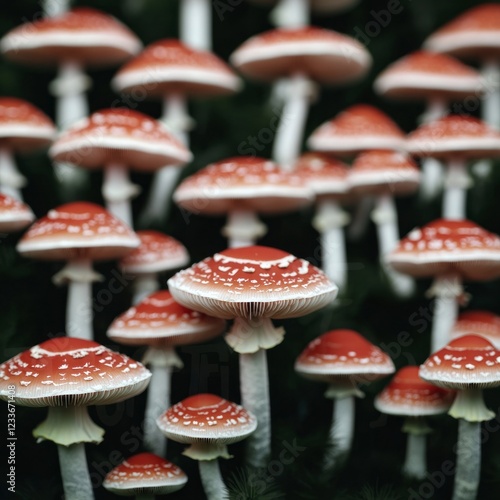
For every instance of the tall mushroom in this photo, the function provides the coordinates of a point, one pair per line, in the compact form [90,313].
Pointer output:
[67,375]
[483,323]
[162,324]
[78,233]
[14,214]
[252,285]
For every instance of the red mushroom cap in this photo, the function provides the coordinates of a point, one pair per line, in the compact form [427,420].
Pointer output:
[448,247]
[379,172]
[24,127]
[78,230]
[322,55]
[467,362]
[157,252]
[14,215]
[253,282]
[159,319]
[67,371]
[169,66]
[427,75]
[343,353]
[454,136]
[119,136]
[358,128]
[483,323]
[242,183]
[84,35]
[408,395]
[145,473]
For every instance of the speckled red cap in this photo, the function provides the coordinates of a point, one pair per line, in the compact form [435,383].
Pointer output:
[449,247]
[78,230]
[358,128]
[83,35]
[169,66]
[253,282]
[145,473]
[483,323]
[408,395]
[119,136]
[427,75]
[473,34]
[14,214]
[160,320]
[242,183]
[66,371]
[322,55]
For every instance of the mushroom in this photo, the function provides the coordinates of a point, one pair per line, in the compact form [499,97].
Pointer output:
[343,359]
[162,324]
[14,214]
[242,187]
[483,323]
[304,55]
[208,423]
[384,175]
[23,128]
[407,395]
[78,233]
[116,140]
[468,365]
[156,254]
[449,251]
[455,139]
[173,72]
[145,475]
[67,375]
[252,285]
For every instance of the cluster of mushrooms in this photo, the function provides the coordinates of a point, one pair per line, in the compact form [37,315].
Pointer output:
[246,284]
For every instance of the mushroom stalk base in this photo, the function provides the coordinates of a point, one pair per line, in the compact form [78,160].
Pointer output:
[211,478]
[415,465]
[468,467]
[11,180]
[74,472]
[455,194]
[469,405]
[144,285]
[243,228]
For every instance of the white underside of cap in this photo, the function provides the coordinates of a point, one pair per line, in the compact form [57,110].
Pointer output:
[469,146]
[382,177]
[156,266]
[445,256]
[409,410]
[453,42]
[130,486]
[334,369]
[27,131]
[460,378]
[341,143]
[17,216]
[329,186]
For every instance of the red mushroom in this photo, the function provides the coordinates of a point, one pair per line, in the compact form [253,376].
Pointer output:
[252,285]
[67,375]
[483,323]
[14,214]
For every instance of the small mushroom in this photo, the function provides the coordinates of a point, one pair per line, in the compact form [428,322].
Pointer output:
[483,323]
[14,214]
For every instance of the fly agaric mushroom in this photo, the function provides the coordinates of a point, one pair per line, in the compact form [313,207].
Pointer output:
[483,323]
[304,55]
[343,359]
[67,375]
[157,253]
[78,233]
[383,175]
[145,475]
[242,187]
[407,395]
[208,423]
[252,285]
[449,251]
[23,128]
[173,72]
[116,140]
[455,139]
[468,365]
[14,214]
[161,323]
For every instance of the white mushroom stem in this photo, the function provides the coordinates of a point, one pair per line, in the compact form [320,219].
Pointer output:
[468,467]
[243,229]
[415,465]
[212,481]
[291,14]
[447,289]
[161,361]
[329,221]
[144,285]
[53,8]
[360,218]
[455,194]
[74,472]
[290,133]
[11,180]
[79,314]
[195,24]
[385,217]
[490,109]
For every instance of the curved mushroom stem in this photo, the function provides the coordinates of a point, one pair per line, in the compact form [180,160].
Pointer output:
[289,136]
[415,465]
[291,14]
[385,217]
[243,228]
[195,24]
[468,467]
[360,219]
[329,222]
[53,8]
[74,472]
[11,180]
[211,478]
[455,194]
[144,285]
